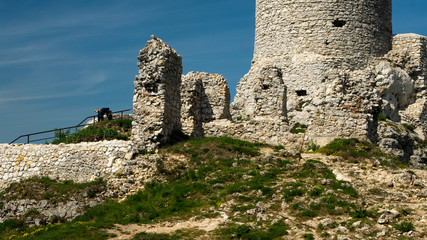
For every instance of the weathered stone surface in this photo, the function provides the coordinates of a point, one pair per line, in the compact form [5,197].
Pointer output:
[261,94]
[191,106]
[205,98]
[82,162]
[409,53]
[157,101]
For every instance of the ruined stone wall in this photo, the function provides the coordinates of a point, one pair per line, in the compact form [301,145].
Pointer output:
[191,106]
[204,97]
[82,162]
[157,101]
[410,54]
[262,96]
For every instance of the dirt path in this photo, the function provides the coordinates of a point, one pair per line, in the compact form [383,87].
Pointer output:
[125,232]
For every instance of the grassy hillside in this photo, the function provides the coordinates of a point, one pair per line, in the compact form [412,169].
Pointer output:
[254,191]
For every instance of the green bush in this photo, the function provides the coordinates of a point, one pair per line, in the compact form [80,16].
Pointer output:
[308,236]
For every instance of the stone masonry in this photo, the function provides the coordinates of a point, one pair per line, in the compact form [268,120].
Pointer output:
[329,67]
[157,101]
[205,98]
[82,162]
[340,67]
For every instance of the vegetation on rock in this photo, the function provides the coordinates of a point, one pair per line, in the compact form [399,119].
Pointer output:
[258,190]
[105,130]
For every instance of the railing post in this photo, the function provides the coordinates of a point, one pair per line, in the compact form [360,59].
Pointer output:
[28,139]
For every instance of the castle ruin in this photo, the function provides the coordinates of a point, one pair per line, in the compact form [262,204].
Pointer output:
[333,67]
[337,60]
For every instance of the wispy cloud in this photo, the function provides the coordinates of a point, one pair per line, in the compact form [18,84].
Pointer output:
[84,86]
[26,60]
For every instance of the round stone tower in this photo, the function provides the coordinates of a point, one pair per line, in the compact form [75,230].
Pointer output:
[350,32]
[312,65]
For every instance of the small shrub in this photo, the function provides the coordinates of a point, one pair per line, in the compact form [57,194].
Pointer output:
[32,212]
[11,224]
[316,192]
[308,236]
[406,211]
[382,118]
[313,147]
[91,193]
[145,152]
[278,148]
[361,213]
[299,128]
[405,226]
[325,235]
[408,127]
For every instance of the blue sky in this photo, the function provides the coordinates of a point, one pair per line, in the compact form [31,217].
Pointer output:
[60,59]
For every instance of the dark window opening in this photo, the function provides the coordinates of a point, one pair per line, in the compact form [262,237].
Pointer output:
[301,93]
[151,88]
[265,87]
[339,23]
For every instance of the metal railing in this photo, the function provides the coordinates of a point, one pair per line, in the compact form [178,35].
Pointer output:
[61,130]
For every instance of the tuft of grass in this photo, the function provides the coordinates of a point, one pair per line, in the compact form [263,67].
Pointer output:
[299,128]
[382,117]
[361,214]
[308,236]
[408,127]
[352,150]
[152,236]
[222,147]
[247,232]
[145,152]
[48,189]
[404,226]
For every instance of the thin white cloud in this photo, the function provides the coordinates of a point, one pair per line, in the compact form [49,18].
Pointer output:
[26,60]
[84,86]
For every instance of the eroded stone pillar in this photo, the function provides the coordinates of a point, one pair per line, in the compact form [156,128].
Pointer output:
[156,103]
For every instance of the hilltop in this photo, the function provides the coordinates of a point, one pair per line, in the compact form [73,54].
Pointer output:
[222,188]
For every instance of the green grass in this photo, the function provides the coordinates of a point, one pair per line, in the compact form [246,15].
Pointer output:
[382,118]
[299,128]
[408,127]
[308,236]
[352,150]
[404,226]
[275,231]
[47,189]
[218,170]
[105,130]
[223,147]
[361,214]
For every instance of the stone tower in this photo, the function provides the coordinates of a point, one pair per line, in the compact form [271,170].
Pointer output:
[322,50]
[341,31]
